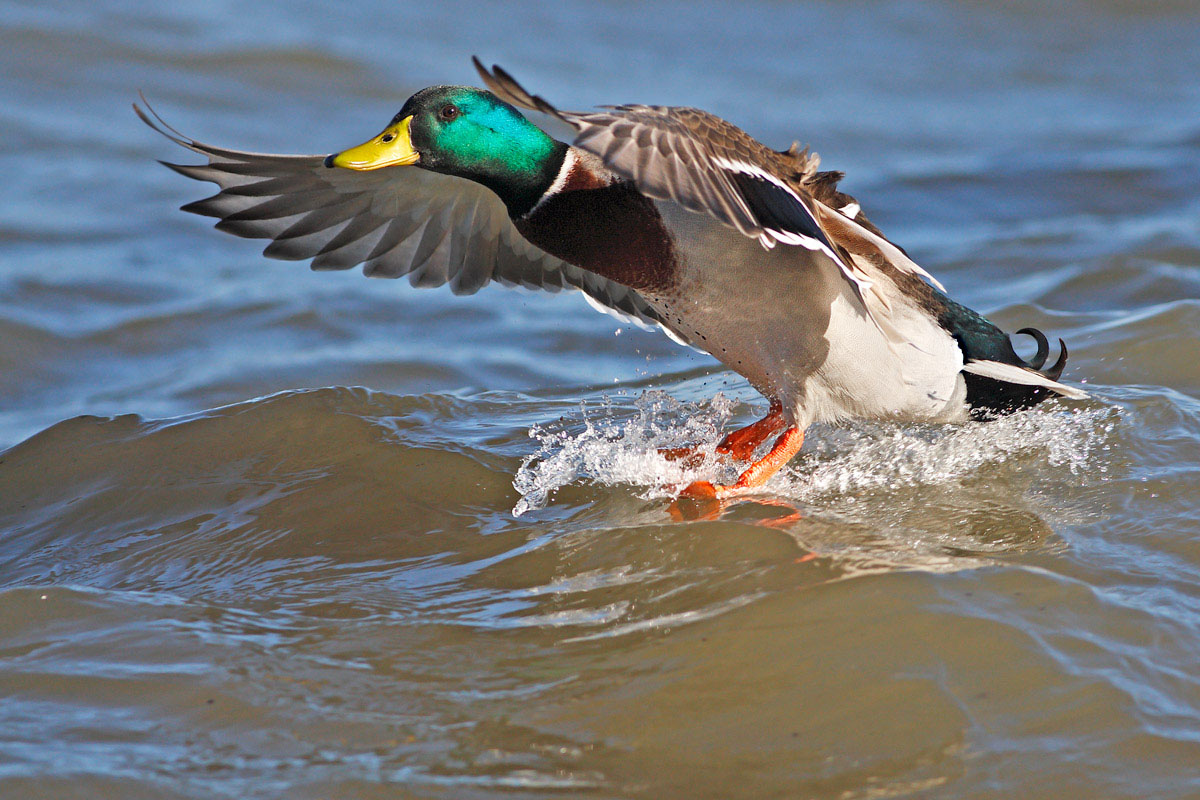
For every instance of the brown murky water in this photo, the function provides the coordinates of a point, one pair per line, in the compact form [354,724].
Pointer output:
[227,570]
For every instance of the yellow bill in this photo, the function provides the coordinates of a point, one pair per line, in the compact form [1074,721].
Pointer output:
[391,148]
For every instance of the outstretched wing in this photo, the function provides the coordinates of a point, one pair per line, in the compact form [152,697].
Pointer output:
[436,229]
[710,166]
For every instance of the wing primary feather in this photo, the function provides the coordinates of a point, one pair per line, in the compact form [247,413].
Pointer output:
[268,187]
[159,124]
[197,172]
[350,246]
[320,219]
[429,252]
[398,231]
[508,89]
[288,204]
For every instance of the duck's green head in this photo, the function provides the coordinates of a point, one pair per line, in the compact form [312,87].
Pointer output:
[467,132]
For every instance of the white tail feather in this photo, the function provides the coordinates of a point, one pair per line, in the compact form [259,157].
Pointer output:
[1013,374]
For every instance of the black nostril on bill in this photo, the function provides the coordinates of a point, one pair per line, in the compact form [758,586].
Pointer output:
[329,159]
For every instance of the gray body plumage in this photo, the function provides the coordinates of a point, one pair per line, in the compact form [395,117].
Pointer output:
[787,320]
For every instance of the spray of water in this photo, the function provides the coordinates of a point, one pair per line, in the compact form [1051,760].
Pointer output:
[610,446]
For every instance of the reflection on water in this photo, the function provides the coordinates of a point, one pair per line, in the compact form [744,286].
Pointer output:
[223,573]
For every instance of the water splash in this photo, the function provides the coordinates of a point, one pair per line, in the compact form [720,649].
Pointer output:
[621,447]
[616,447]
[881,456]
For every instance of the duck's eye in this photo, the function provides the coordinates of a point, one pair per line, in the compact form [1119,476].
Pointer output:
[448,113]
[387,137]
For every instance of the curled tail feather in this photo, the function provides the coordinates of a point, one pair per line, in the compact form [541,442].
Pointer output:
[1055,370]
[999,387]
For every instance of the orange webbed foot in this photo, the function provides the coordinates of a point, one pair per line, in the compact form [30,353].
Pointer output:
[700,490]
[686,508]
[742,443]
[786,446]
[703,499]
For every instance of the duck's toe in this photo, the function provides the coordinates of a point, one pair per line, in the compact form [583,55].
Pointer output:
[701,490]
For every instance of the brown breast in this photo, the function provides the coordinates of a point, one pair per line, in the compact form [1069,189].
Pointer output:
[604,227]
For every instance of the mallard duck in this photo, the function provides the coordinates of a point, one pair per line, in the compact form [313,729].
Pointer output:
[669,216]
